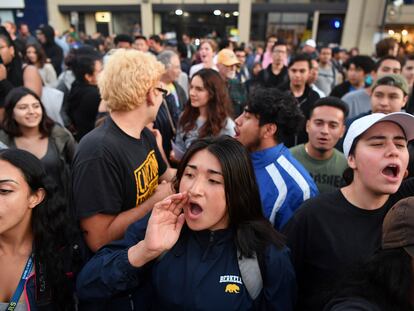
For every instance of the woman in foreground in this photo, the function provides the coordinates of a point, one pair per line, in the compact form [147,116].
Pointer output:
[36,238]
[189,250]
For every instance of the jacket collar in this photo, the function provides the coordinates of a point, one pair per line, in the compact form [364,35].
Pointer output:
[264,157]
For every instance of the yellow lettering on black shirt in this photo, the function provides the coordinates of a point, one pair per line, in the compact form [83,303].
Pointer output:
[146,178]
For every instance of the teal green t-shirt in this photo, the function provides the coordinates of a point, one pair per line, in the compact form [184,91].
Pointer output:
[327,174]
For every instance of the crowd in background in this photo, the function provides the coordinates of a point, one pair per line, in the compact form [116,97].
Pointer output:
[151,173]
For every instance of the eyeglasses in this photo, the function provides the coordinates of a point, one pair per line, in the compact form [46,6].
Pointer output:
[163,91]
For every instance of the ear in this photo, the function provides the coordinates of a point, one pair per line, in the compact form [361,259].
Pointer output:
[307,126]
[405,99]
[88,77]
[270,130]
[151,97]
[343,130]
[374,75]
[351,162]
[406,173]
[37,197]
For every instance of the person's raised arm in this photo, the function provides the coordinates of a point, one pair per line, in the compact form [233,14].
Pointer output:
[100,229]
[121,265]
[163,230]
[32,79]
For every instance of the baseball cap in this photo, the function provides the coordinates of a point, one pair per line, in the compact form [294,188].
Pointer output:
[311,43]
[361,125]
[392,80]
[227,58]
[398,226]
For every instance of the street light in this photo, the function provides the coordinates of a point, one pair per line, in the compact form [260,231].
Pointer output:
[395,5]
[337,24]
[217,12]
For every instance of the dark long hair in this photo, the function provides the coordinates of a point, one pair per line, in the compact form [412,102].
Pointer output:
[218,105]
[253,231]
[53,229]
[386,279]
[14,68]
[10,126]
[40,52]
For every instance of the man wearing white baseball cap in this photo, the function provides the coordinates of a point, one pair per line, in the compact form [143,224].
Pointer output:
[334,230]
[359,126]
[385,281]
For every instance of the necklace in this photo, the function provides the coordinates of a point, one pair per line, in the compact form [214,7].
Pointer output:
[306,149]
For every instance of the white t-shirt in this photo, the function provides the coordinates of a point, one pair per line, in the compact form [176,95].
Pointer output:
[198,67]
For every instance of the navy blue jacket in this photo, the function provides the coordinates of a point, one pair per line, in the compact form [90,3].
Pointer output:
[200,272]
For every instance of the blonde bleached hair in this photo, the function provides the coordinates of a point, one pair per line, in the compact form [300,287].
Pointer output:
[127,77]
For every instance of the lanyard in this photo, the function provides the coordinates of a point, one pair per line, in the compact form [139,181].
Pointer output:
[18,292]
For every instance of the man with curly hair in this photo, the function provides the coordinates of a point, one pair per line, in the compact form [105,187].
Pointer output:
[284,183]
[118,167]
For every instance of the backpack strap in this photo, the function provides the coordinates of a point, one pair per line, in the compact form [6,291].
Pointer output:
[250,274]
[170,120]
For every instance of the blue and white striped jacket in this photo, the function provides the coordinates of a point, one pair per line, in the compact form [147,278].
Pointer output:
[283,183]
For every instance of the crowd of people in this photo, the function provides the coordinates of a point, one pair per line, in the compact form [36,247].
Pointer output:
[141,174]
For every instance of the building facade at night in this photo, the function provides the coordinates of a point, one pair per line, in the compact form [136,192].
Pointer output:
[348,23]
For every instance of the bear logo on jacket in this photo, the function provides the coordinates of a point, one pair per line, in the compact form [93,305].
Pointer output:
[232,288]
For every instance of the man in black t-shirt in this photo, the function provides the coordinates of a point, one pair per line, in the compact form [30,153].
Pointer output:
[118,167]
[337,229]
[276,73]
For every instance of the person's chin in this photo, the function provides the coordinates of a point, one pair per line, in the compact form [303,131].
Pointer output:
[322,149]
[384,111]
[388,188]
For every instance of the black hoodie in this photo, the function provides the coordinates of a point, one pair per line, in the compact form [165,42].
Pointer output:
[305,102]
[53,51]
[14,71]
[83,104]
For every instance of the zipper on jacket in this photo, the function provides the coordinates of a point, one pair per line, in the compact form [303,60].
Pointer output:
[211,239]
[210,244]
[131,302]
